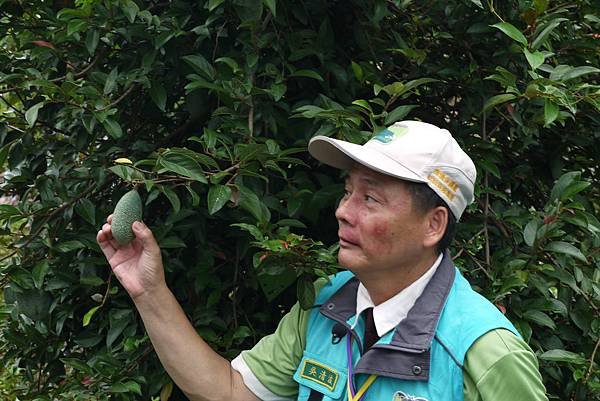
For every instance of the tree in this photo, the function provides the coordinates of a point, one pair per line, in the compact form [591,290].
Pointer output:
[207,108]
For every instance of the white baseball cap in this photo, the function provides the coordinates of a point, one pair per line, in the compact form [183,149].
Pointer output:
[412,151]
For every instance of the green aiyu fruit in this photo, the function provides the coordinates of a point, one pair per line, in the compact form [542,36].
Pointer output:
[128,210]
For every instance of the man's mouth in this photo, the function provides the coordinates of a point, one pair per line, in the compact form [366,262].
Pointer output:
[346,241]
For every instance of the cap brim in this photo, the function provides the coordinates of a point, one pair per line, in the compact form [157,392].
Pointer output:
[344,155]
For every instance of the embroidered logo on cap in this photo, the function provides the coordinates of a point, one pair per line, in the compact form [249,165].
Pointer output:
[444,183]
[401,396]
[319,373]
[391,133]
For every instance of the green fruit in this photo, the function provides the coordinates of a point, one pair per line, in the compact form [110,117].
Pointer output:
[128,210]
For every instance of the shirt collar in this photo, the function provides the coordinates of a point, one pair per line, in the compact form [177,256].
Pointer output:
[390,313]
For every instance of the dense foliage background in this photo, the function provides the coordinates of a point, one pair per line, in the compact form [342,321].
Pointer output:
[208,106]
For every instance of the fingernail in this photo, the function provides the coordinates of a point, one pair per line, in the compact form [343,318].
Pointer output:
[138,225]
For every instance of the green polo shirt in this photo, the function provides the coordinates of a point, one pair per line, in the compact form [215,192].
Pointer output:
[499,366]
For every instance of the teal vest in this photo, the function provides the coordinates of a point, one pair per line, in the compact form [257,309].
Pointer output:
[420,360]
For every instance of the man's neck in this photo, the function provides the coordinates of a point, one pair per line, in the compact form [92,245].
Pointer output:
[384,285]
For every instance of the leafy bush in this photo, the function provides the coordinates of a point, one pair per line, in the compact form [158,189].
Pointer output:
[207,109]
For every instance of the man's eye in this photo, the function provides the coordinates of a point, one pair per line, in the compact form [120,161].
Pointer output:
[369,198]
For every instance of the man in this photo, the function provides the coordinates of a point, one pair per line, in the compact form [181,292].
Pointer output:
[400,324]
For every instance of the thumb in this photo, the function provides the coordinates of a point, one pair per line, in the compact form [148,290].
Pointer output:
[144,234]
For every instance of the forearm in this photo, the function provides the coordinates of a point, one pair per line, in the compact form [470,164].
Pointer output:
[199,371]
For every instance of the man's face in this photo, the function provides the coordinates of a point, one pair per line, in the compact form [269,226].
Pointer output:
[378,229]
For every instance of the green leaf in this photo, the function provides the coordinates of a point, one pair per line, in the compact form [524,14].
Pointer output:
[78,364]
[579,71]
[540,318]
[249,201]
[200,65]
[182,163]
[564,277]
[39,272]
[490,167]
[85,208]
[212,4]
[541,38]
[305,291]
[272,5]
[249,11]
[126,387]
[113,128]
[530,232]
[358,71]
[126,173]
[307,74]
[111,81]
[69,246]
[158,95]
[309,111]
[396,88]
[562,183]
[273,285]
[194,195]
[242,332]
[230,62]
[574,189]
[167,389]
[172,242]
[8,211]
[117,325]
[200,83]
[498,99]
[540,5]
[561,355]
[399,113]
[163,38]
[130,9]
[76,25]
[218,195]
[364,104]
[291,223]
[31,114]
[88,315]
[91,41]
[410,85]
[550,112]
[511,31]
[567,249]
[172,197]
[253,230]
[534,59]
[4,151]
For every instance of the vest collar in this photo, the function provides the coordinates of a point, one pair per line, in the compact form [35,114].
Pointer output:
[407,354]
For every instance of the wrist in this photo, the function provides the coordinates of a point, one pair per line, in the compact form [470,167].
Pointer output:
[153,299]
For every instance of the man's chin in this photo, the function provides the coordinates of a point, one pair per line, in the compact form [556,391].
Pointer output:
[348,261]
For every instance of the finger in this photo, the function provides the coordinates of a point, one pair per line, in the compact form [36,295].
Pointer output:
[107,230]
[109,219]
[143,233]
[106,244]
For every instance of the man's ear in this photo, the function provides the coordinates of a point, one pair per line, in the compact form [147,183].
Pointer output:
[436,221]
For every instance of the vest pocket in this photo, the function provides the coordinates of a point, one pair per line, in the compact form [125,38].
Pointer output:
[325,378]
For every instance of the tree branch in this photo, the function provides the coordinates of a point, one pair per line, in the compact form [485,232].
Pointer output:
[486,207]
[119,99]
[48,217]
[590,368]
[82,72]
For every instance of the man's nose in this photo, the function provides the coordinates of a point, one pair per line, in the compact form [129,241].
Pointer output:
[344,212]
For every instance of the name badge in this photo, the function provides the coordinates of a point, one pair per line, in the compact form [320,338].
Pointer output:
[320,376]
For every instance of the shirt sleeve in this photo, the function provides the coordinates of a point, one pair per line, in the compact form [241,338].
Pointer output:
[268,368]
[500,366]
